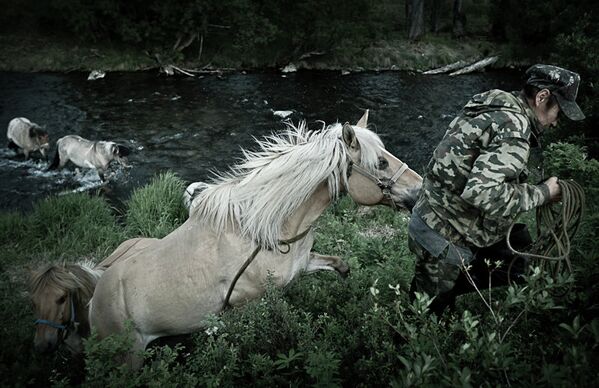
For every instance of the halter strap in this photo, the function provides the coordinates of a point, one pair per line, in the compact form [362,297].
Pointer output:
[399,172]
[381,183]
[251,258]
[57,325]
[384,184]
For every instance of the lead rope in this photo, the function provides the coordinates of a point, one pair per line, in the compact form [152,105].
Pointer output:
[249,260]
[555,229]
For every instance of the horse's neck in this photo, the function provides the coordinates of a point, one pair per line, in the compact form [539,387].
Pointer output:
[82,301]
[308,212]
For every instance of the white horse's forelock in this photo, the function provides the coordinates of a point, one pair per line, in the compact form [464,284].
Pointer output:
[260,193]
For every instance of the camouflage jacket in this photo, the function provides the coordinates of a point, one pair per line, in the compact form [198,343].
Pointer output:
[472,192]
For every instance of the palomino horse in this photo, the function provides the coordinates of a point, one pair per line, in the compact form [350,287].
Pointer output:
[27,136]
[60,296]
[88,154]
[265,205]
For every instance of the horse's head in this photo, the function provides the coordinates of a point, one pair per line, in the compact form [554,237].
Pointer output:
[41,138]
[52,290]
[376,175]
[117,152]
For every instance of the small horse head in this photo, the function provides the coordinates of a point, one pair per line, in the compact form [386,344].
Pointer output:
[118,152]
[57,292]
[40,137]
[377,176]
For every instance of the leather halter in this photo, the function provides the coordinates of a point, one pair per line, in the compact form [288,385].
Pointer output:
[385,184]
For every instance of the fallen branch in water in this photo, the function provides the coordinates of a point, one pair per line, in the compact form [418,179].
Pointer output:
[475,66]
[445,69]
[462,67]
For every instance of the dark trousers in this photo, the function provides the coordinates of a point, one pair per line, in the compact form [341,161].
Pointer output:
[510,269]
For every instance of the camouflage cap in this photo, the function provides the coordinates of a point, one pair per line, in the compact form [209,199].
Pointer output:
[562,83]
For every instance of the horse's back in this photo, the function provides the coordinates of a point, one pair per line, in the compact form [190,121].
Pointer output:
[126,250]
[72,140]
[17,128]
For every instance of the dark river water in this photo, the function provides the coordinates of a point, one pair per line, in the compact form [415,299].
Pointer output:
[195,125]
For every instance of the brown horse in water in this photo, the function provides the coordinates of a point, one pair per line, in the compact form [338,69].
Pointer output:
[265,205]
[60,294]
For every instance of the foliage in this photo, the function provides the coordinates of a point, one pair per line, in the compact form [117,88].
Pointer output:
[60,227]
[156,209]
[66,228]
[242,26]
[321,330]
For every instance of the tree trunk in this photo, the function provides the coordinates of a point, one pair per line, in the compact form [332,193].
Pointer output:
[459,19]
[436,16]
[416,21]
[408,10]
[500,10]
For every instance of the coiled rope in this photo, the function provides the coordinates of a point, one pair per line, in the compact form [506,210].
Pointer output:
[556,226]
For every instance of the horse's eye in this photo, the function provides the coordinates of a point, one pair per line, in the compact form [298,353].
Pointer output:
[383,164]
[61,300]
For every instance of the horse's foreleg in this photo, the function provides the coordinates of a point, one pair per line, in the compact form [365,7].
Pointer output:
[320,262]
[101,174]
[135,356]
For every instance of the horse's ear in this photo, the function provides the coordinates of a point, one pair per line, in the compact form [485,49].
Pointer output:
[349,136]
[363,122]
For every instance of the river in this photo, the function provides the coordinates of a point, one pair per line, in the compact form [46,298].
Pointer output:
[193,126]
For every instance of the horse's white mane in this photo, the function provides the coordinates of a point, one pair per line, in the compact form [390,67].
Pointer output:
[88,266]
[261,192]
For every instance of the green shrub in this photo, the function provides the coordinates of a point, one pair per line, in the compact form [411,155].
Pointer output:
[323,329]
[59,228]
[156,209]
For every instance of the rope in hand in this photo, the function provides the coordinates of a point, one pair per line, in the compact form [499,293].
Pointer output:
[249,260]
[556,226]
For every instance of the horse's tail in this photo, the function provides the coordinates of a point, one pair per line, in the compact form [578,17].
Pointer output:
[55,161]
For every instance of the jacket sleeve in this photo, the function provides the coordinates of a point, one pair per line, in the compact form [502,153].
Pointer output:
[492,183]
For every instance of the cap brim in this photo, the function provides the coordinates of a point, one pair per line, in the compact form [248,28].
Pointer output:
[570,108]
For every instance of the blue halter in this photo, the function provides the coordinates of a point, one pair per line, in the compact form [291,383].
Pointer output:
[56,325]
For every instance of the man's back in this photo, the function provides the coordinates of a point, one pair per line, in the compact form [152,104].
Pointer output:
[471,190]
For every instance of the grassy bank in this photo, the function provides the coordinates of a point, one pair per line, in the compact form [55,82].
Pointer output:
[322,330]
[36,52]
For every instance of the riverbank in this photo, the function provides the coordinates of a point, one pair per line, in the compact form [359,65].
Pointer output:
[37,53]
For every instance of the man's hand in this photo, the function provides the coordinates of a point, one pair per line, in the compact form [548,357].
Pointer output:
[555,192]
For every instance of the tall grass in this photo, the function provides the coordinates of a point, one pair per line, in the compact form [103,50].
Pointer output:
[156,209]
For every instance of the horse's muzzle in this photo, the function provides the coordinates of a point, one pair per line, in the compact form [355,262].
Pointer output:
[48,341]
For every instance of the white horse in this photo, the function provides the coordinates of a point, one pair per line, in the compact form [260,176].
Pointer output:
[264,207]
[88,154]
[27,136]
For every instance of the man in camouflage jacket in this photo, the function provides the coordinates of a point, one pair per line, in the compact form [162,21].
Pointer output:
[473,190]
